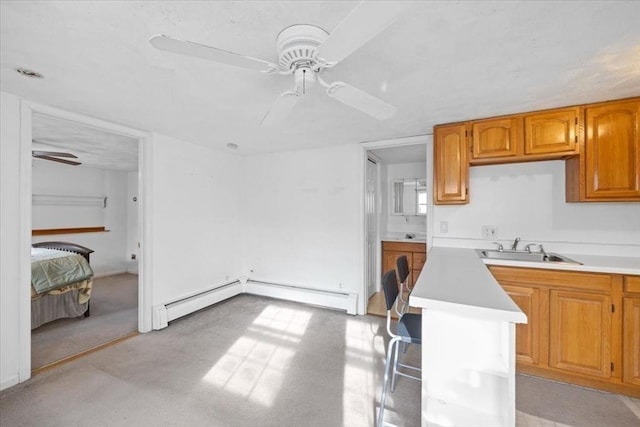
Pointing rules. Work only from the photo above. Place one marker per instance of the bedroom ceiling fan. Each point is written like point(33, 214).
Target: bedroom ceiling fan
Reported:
point(306, 51)
point(54, 156)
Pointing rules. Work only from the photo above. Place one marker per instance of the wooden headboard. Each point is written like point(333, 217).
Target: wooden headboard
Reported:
point(66, 246)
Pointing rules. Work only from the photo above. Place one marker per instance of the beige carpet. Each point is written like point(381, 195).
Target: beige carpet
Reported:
point(114, 314)
point(568, 405)
point(254, 361)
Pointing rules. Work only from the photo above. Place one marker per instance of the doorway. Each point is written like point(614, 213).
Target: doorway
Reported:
point(33, 116)
point(402, 160)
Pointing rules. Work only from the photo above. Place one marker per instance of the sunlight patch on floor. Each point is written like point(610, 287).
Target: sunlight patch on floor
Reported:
point(361, 352)
point(255, 365)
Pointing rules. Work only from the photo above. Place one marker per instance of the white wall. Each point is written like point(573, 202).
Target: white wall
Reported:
point(196, 195)
point(401, 224)
point(527, 200)
point(49, 178)
point(10, 241)
point(303, 217)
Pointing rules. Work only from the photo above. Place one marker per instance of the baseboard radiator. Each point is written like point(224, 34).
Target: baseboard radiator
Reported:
point(165, 313)
point(337, 299)
point(341, 300)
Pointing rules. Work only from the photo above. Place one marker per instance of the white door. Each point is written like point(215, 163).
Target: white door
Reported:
point(371, 219)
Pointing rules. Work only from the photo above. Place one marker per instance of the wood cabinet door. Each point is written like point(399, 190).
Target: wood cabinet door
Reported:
point(551, 132)
point(631, 340)
point(527, 335)
point(389, 262)
point(451, 166)
point(419, 258)
point(580, 332)
point(612, 150)
point(495, 137)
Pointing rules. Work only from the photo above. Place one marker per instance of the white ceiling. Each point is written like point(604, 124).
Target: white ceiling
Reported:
point(441, 62)
point(402, 154)
point(93, 147)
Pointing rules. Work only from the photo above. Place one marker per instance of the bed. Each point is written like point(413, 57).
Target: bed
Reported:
point(61, 281)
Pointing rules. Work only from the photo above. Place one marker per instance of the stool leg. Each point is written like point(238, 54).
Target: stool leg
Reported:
point(387, 368)
point(395, 366)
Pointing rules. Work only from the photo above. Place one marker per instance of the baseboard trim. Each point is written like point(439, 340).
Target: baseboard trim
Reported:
point(108, 273)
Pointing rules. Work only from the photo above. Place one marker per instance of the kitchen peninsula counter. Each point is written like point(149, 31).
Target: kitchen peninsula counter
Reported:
point(468, 342)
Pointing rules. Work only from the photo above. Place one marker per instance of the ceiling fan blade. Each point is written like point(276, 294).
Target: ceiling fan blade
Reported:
point(55, 159)
point(280, 108)
point(367, 20)
point(39, 153)
point(188, 48)
point(361, 100)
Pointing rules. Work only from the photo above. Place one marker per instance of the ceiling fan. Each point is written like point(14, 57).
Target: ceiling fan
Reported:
point(306, 51)
point(54, 156)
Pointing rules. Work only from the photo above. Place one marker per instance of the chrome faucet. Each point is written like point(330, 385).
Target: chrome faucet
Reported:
point(528, 247)
point(500, 247)
point(514, 247)
point(544, 254)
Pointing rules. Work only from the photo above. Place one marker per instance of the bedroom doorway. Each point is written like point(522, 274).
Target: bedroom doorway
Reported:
point(97, 204)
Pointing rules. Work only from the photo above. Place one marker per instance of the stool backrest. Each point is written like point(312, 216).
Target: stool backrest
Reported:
point(403, 268)
point(390, 287)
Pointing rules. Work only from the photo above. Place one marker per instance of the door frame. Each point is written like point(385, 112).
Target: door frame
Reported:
point(376, 160)
point(27, 109)
point(387, 143)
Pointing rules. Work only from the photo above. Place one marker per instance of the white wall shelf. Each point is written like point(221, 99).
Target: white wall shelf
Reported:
point(63, 200)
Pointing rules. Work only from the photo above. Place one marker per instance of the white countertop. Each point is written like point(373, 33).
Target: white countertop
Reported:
point(456, 281)
point(404, 239)
point(590, 263)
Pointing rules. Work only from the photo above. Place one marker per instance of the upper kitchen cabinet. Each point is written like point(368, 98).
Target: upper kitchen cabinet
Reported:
point(608, 168)
point(552, 131)
point(541, 135)
point(495, 138)
point(451, 167)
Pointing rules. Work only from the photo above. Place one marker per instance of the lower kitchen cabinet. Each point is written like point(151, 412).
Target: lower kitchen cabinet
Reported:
point(580, 332)
point(583, 328)
point(631, 327)
point(416, 254)
point(631, 330)
point(527, 334)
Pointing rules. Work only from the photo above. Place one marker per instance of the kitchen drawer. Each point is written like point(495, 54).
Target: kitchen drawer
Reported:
point(631, 283)
point(404, 247)
point(553, 278)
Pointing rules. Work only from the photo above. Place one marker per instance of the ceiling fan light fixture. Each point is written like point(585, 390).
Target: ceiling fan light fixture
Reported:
point(299, 44)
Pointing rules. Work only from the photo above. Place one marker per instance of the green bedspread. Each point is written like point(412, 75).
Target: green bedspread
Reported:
point(51, 269)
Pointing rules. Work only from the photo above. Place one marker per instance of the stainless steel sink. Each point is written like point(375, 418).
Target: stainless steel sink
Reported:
point(525, 256)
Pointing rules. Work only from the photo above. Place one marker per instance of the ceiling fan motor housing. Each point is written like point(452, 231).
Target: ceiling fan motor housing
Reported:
point(297, 46)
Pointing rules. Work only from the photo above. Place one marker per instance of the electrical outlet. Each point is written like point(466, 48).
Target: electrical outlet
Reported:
point(444, 227)
point(489, 232)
